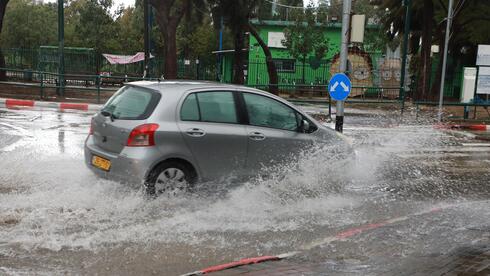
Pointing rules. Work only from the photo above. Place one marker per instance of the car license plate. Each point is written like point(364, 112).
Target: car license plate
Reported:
point(101, 163)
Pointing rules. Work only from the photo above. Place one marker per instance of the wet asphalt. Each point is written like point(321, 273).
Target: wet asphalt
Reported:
point(56, 217)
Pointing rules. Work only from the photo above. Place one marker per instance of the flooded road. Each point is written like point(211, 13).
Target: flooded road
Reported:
point(56, 217)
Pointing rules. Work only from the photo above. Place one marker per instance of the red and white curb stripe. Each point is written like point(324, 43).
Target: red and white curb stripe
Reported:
point(21, 104)
point(343, 235)
point(474, 127)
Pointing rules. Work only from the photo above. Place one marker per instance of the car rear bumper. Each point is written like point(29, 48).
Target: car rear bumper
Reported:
point(130, 166)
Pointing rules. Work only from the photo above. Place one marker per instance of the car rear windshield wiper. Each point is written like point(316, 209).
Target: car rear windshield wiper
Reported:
point(108, 114)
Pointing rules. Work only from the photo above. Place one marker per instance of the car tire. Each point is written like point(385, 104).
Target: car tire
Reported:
point(171, 178)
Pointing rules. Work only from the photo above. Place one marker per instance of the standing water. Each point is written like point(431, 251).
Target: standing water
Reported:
point(57, 217)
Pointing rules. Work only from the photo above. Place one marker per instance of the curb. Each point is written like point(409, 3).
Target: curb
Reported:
point(60, 106)
point(474, 127)
point(242, 262)
point(343, 235)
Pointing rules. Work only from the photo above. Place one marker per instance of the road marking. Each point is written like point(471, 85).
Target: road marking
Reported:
point(475, 144)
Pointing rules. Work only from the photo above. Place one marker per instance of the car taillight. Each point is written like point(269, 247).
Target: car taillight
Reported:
point(142, 136)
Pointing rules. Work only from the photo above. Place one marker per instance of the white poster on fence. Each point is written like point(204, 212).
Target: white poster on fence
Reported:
point(274, 39)
point(483, 86)
point(483, 56)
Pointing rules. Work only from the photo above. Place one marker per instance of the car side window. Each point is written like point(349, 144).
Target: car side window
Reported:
point(190, 109)
point(266, 112)
point(216, 107)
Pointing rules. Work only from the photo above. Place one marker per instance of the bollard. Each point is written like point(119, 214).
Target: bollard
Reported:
point(98, 88)
point(41, 88)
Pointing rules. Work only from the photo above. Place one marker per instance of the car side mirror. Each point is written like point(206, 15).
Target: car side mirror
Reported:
point(305, 126)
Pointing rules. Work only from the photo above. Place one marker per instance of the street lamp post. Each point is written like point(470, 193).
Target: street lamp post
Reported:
point(444, 61)
point(344, 48)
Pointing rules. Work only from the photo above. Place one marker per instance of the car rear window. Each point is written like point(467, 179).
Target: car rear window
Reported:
point(132, 103)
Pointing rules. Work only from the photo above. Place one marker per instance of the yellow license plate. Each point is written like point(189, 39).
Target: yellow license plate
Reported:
point(101, 163)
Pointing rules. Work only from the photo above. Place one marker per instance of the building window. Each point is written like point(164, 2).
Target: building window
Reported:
point(284, 65)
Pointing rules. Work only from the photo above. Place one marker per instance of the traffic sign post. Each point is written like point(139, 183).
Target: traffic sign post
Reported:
point(339, 113)
point(339, 88)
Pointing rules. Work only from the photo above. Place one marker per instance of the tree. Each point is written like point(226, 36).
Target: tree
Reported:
point(467, 31)
point(305, 36)
point(169, 14)
point(3, 7)
point(422, 21)
point(89, 24)
point(428, 25)
point(28, 25)
point(237, 15)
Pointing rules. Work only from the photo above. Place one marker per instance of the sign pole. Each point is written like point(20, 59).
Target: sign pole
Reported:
point(339, 117)
point(444, 61)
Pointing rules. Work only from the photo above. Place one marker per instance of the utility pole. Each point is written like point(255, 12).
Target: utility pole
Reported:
point(61, 48)
point(408, 5)
point(146, 16)
point(344, 48)
point(444, 61)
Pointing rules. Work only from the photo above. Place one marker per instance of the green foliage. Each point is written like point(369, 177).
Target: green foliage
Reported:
point(27, 25)
point(198, 41)
point(305, 36)
point(90, 24)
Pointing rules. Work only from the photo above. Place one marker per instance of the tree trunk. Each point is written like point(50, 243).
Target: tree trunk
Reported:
point(3, 7)
point(170, 71)
point(169, 14)
point(271, 66)
point(425, 69)
point(238, 77)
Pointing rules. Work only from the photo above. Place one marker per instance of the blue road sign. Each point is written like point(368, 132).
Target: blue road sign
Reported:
point(339, 87)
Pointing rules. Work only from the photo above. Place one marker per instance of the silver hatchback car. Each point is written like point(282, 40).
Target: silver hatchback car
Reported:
point(171, 134)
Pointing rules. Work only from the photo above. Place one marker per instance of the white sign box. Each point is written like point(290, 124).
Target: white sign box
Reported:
point(483, 86)
point(483, 56)
point(275, 39)
point(357, 28)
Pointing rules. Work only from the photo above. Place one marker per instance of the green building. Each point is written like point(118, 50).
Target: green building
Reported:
point(290, 70)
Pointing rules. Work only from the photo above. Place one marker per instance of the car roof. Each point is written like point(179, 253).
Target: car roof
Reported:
point(182, 86)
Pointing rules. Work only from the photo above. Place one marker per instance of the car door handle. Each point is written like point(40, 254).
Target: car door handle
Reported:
point(195, 132)
point(257, 136)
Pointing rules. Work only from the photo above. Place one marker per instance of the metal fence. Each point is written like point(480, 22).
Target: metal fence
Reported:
point(374, 76)
point(85, 61)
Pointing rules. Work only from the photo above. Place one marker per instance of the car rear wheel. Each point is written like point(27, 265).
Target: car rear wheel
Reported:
point(170, 178)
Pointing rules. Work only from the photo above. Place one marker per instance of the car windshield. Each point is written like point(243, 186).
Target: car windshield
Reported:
point(132, 103)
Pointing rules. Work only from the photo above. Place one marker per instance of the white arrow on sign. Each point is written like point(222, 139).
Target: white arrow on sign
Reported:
point(334, 86)
point(346, 88)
